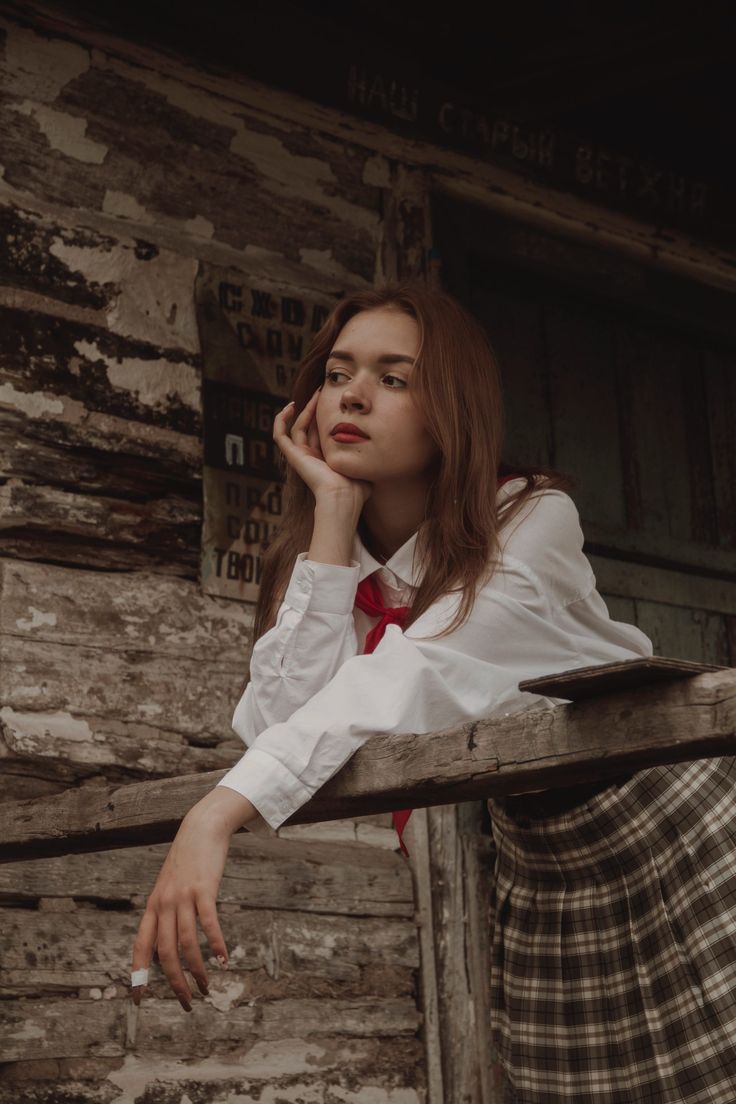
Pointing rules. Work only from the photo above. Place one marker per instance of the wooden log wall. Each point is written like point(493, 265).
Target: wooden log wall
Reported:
point(119, 180)
point(123, 171)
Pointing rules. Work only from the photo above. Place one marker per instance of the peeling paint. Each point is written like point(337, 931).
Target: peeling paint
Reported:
point(201, 227)
point(123, 205)
point(37, 732)
point(286, 174)
point(323, 261)
point(64, 132)
point(270, 1059)
point(376, 1094)
point(38, 617)
point(40, 67)
point(152, 382)
point(226, 995)
point(151, 709)
point(33, 403)
point(156, 296)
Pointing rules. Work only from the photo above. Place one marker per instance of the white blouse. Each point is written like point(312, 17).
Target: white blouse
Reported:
point(313, 699)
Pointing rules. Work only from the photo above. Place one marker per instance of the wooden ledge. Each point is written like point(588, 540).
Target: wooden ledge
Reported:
point(610, 730)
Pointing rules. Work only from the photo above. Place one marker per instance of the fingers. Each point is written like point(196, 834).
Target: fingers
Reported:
point(305, 420)
point(189, 944)
point(178, 929)
point(168, 956)
point(286, 431)
point(211, 928)
point(143, 949)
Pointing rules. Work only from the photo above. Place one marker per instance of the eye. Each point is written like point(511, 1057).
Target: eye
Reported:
point(331, 372)
point(398, 380)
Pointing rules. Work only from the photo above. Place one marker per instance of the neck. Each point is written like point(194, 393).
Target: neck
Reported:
point(391, 516)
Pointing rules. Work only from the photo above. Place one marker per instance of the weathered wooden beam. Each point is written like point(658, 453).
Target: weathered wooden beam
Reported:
point(593, 738)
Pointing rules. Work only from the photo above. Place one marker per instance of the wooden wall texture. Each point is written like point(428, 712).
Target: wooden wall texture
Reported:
point(355, 976)
point(118, 179)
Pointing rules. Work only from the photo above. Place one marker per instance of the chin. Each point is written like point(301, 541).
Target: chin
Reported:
point(351, 468)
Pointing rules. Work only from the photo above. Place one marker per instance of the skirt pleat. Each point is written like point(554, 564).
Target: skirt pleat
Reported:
point(613, 975)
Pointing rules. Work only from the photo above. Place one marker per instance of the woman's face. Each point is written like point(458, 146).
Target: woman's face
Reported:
point(368, 382)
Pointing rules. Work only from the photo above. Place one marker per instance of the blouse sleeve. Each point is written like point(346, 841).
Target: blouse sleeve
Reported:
point(313, 635)
point(522, 624)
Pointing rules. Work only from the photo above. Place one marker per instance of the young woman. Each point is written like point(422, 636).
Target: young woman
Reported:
point(414, 582)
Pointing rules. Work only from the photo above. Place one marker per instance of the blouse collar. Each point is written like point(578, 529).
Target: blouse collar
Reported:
point(401, 563)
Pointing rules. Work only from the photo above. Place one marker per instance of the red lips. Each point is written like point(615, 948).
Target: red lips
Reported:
point(348, 427)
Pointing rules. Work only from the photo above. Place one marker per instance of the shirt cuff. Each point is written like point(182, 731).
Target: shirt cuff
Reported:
point(322, 588)
point(267, 784)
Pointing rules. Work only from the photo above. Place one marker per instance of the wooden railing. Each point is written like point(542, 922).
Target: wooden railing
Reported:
point(620, 717)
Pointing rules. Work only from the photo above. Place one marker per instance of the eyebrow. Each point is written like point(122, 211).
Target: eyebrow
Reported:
point(385, 358)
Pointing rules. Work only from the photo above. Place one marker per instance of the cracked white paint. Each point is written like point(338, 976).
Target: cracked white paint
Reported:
point(155, 300)
point(39, 67)
point(150, 709)
point(39, 732)
point(64, 132)
point(200, 227)
point(195, 101)
point(152, 382)
point(33, 403)
point(375, 1094)
point(270, 1059)
point(126, 206)
point(225, 996)
point(293, 176)
point(37, 619)
point(22, 1031)
point(323, 261)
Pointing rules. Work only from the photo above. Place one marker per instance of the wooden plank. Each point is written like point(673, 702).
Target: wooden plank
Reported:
point(460, 860)
point(332, 878)
point(578, 339)
point(692, 634)
point(532, 749)
point(274, 953)
point(658, 584)
point(720, 381)
point(133, 675)
point(81, 1028)
point(608, 678)
point(417, 840)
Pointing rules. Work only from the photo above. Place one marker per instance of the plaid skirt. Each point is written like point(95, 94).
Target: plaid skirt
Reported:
point(613, 971)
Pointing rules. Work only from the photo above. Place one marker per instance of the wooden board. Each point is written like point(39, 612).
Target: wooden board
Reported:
point(608, 678)
point(530, 749)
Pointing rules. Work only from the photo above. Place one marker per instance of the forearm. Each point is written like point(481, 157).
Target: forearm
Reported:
point(222, 811)
point(335, 521)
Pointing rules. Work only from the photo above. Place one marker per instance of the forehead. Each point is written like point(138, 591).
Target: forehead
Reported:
point(384, 326)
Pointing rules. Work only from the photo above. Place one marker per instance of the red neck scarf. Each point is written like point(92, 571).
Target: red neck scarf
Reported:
point(370, 600)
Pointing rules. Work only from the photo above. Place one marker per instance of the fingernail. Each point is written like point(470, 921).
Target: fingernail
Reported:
point(222, 960)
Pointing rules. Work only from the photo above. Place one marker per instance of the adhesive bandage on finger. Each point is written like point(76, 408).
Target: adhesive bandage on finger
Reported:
point(139, 977)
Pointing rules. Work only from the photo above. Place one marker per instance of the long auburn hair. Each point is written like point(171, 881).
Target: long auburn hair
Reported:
point(456, 385)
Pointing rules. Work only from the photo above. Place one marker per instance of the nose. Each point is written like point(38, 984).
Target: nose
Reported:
point(355, 397)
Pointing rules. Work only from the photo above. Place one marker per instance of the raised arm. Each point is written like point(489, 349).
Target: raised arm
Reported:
point(539, 613)
point(314, 631)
